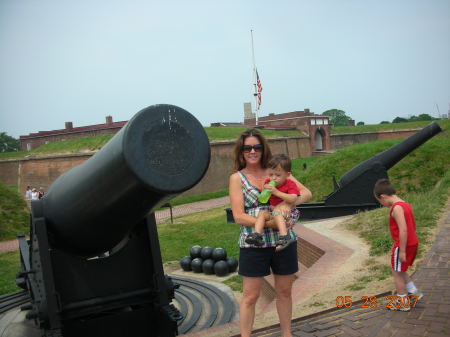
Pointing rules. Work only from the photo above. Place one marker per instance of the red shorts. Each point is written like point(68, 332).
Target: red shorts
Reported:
point(396, 264)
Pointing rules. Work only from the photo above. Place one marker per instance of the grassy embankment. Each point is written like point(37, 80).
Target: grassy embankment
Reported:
point(380, 127)
point(95, 143)
point(14, 219)
point(423, 178)
point(214, 134)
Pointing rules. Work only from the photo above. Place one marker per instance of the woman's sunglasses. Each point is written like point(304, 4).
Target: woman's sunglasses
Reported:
point(249, 148)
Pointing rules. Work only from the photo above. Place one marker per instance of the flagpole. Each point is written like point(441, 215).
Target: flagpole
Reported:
point(254, 79)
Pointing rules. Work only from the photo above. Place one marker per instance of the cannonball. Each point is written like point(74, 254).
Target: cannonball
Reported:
point(232, 264)
point(206, 252)
point(221, 268)
point(195, 251)
point(185, 263)
point(208, 266)
point(196, 265)
point(219, 254)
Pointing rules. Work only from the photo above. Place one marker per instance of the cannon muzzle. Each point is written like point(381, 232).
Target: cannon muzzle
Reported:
point(162, 151)
point(354, 192)
point(393, 155)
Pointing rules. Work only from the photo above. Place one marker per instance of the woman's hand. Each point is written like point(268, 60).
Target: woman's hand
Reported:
point(305, 193)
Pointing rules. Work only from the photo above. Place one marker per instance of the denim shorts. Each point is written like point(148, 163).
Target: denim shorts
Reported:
point(257, 262)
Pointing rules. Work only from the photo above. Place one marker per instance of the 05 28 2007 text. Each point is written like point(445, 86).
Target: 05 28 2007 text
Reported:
point(374, 302)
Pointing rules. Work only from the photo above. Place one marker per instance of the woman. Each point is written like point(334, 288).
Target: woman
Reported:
point(252, 154)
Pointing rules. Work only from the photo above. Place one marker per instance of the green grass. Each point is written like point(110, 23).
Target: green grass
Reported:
point(65, 146)
point(376, 272)
point(232, 132)
point(234, 282)
point(199, 197)
point(384, 127)
point(14, 216)
point(208, 228)
point(214, 134)
point(297, 165)
point(427, 205)
point(418, 171)
point(9, 266)
point(95, 143)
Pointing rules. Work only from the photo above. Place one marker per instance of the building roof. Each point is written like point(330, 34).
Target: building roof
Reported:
point(104, 126)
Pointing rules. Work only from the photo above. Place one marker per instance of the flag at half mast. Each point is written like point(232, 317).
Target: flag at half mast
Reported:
point(259, 89)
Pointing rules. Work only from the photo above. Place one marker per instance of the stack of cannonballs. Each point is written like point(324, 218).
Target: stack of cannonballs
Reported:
point(209, 261)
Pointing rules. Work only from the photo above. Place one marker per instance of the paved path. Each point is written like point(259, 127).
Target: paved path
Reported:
point(161, 216)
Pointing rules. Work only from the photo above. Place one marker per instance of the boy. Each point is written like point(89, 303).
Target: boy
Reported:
point(404, 249)
point(279, 169)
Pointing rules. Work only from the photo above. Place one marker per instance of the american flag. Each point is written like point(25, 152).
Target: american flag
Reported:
point(259, 89)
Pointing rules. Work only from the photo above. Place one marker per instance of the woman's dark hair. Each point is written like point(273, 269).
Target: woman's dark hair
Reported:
point(239, 161)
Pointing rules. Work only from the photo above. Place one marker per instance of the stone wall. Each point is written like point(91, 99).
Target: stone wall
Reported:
point(342, 140)
point(42, 171)
point(32, 143)
point(9, 172)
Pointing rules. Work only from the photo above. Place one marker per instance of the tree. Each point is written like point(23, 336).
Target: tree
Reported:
point(8, 143)
point(384, 122)
point(360, 123)
point(424, 117)
point(337, 117)
point(399, 120)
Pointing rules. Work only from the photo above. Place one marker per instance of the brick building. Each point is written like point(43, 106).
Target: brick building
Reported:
point(317, 127)
point(34, 140)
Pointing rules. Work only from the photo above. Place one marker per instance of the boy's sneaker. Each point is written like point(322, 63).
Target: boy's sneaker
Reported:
point(255, 239)
point(416, 293)
point(399, 306)
point(284, 241)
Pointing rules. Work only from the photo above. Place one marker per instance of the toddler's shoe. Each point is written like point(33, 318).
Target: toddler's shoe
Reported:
point(255, 239)
point(284, 241)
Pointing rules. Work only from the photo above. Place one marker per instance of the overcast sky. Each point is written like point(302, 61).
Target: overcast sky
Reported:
point(82, 60)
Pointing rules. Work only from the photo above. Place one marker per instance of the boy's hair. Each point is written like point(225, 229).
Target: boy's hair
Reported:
point(383, 186)
point(282, 160)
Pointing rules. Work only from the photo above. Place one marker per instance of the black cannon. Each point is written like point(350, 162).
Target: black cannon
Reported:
point(93, 265)
point(354, 191)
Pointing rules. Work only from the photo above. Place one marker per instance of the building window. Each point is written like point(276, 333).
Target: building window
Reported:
point(313, 122)
point(325, 121)
point(28, 146)
point(320, 121)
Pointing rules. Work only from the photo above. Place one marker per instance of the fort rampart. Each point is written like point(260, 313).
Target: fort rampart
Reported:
point(41, 171)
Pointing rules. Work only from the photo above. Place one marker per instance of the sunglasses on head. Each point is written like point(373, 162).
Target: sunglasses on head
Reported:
point(249, 148)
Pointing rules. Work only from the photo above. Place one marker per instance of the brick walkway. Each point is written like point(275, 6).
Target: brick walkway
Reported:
point(430, 318)
point(161, 216)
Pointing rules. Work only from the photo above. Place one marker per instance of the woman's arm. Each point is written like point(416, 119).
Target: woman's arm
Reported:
point(237, 202)
point(305, 193)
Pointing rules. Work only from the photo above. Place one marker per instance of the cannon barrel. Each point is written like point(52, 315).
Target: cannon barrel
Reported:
point(393, 155)
point(162, 151)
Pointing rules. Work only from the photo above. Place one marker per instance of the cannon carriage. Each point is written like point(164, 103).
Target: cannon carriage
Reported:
point(92, 265)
